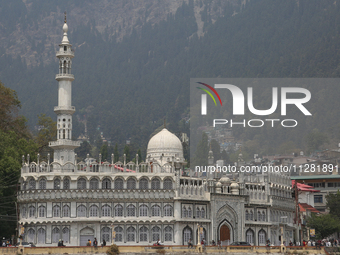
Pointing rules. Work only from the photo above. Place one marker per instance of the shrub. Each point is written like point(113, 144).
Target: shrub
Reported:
point(113, 250)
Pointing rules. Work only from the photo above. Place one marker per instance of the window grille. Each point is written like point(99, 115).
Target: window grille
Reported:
point(42, 183)
point(66, 235)
point(56, 211)
point(143, 184)
point(156, 211)
point(156, 234)
point(143, 234)
point(31, 184)
point(168, 211)
point(119, 234)
point(66, 211)
point(55, 235)
point(94, 183)
point(106, 211)
point(131, 232)
point(168, 234)
point(119, 183)
point(31, 211)
point(106, 183)
point(94, 211)
point(118, 211)
point(42, 211)
point(81, 211)
point(143, 210)
point(81, 184)
point(167, 184)
point(41, 236)
point(66, 183)
point(131, 211)
point(56, 183)
point(155, 184)
point(131, 183)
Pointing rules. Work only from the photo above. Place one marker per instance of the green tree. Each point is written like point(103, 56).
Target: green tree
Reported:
point(140, 159)
point(215, 147)
point(116, 154)
point(333, 203)
point(47, 132)
point(127, 153)
point(104, 151)
point(225, 157)
point(202, 151)
point(84, 149)
point(315, 140)
point(324, 225)
point(9, 108)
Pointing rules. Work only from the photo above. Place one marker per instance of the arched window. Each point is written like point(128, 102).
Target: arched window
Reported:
point(143, 234)
point(184, 212)
point(155, 184)
point(106, 234)
point(42, 211)
point(168, 211)
point(156, 234)
point(42, 183)
point(23, 212)
point(30, 235)
point(131, 183)
point(189, 212)
point(143, 210)
point(131, 211)
point(31, 184)
point(259, 216)
point(247, 215)
point(66, 211)
point(31, 211)
point(118, 211)
point(94, 183)
point(119, 183)
point(119, 234)
point(81, 211)
point(156, 211)
point(94, 211)
point(66, 184)
point(131, 233)
point(56, 211)
point(250, 236)
point(106, 211)
point(167, 184)
point(168, 234)
point(55, 235)
point(66, 235)
point(262, 237)
point(263, 216)
point(202, 213)
point(81, 184)
point(198, 213)
point(41, 236)
point(143, 184)
point(251, 215)
point(187, 235)
point(106, 183)
point(56, 183)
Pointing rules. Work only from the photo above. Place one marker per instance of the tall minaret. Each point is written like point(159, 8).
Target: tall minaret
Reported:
point(64, 146)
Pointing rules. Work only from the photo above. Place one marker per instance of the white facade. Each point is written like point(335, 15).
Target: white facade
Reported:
point(144, 202)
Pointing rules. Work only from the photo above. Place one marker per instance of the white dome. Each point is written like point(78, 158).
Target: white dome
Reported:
point(225, 180)
point(165, 143)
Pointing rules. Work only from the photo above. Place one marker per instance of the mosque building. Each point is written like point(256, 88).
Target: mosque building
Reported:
point(140, 203)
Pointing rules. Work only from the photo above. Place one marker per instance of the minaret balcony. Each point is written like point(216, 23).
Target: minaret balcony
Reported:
point(64, 109)
point(62, 143)
point(65, 54)
point(64, 76)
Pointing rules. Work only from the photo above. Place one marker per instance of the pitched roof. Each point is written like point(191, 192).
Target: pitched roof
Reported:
point(304, 187)
point(304, 207)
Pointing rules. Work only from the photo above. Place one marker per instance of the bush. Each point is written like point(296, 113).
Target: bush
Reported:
point(113, 250)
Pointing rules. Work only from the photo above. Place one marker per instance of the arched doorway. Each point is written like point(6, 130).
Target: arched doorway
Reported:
point(85, 235)
point(225, 237)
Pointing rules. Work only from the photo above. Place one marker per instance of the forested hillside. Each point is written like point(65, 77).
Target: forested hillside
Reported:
point(126, 85)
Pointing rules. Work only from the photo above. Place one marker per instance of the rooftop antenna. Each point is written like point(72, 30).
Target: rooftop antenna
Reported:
point(65, 16)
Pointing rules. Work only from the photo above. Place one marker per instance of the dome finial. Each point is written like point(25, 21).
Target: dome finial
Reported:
point(65, 17)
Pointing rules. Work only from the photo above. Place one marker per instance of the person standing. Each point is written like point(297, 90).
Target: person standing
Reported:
point(104, 243)
point(95, 243)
